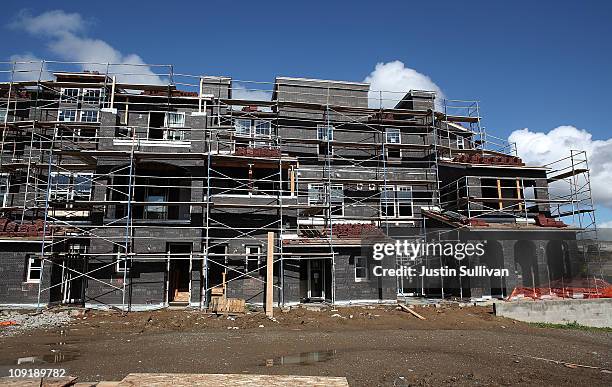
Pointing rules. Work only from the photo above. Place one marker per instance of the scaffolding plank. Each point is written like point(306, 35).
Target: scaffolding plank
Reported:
point(567, 174)
point(456, 118)
point(37, 382)
point(574, 212)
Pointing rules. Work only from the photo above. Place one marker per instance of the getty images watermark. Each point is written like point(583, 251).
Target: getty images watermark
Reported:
point(411, 251)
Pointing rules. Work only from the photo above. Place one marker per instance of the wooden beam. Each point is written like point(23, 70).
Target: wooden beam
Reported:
point(270, 276)
point(518, 194)
point(412, 312)
point(292, 176)
point(499, 194)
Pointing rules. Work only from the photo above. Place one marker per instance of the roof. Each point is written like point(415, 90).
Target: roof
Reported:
point(457, 164)
point(481, 225)
point(314, 80)
point(81, 75)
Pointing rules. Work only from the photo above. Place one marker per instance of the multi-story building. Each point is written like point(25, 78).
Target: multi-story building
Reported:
point(143, 195)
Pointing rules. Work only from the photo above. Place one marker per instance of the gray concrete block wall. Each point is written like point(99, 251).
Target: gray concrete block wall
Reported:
point(372, 289)
point(13, 286)
point(323, 92)
point(292, 281)
point(593, 312)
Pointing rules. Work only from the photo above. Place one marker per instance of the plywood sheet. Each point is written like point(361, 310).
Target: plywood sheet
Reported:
point(216, 380)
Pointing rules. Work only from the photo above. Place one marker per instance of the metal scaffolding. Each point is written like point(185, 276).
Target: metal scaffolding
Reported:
point(250, 172)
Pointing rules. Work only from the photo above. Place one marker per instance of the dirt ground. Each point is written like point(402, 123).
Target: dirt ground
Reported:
point(370, 345)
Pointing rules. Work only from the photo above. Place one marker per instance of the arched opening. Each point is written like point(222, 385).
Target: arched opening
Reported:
point(159, 192)
point(494, 259)
point(525, 259)
point(558, 261)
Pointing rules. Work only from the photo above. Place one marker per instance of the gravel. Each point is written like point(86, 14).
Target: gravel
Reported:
point(29, 321)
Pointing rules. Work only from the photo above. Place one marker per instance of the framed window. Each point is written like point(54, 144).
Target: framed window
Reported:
point(156, 195)
point(121, 262)
point(70, 186)
point(243, 127)
point(82, 185)
point(34, 269)
point(396, 202)
point(174, 120)
point(361, 268)
point(3, 115)
point(69, 95)
point(89, 116)
point(403, 198)
point(174, 135)
point(337, 200)
point(317, 195)
point(387, 202)
point(252, 258)
point(325, 132)
point(393, 136)
point(92, 96)
point(263, 128)
point(59, 186)
point(460, 142)
point(4, 189)
point(67, 115)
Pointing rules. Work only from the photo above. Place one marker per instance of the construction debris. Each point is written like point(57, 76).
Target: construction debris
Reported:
point(21, 321)
point(227, 305)
point(409, 310)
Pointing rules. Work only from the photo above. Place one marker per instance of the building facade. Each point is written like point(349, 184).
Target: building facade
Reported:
point(139, 196)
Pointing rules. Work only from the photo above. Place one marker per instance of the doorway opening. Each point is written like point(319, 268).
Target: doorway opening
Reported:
point(318, 280)
point(66, 273)
point(179, 273)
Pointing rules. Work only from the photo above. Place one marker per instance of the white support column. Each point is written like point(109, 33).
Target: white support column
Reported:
point(112, 98)
point(270, 276)
point(200, 95)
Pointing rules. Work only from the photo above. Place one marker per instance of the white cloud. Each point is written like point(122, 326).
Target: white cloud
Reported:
point(539, 148)
point(55, 23)
point(607, 224)
point(394, 80)
point(251, 93)
point(65, 37)
point(27, 67)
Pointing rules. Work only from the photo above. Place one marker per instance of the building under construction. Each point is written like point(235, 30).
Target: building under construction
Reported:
point(136, 187)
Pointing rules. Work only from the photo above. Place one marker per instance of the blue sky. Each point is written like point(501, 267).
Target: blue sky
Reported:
point(536, 65)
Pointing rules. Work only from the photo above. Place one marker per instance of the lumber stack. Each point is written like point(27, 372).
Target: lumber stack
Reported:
point(227, 305)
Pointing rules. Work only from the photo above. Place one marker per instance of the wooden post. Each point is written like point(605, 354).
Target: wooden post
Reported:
point(270, 276)
point(499, 194)
point(518, 195)
point(292, 181)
